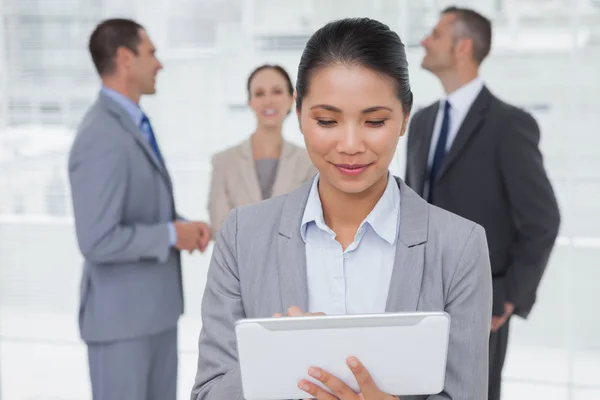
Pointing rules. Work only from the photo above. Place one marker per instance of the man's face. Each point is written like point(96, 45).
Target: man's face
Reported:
point(143, 67)
point(439, 46)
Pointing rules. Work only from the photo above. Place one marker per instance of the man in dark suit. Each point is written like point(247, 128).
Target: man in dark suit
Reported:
point(477, 156)
point(127, 227)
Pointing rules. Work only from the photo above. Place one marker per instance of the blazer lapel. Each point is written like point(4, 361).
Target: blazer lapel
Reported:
point(285, 171)
point(405, 284)
point(248, 171)
point(134, 131)
point(291, 251)
point(406, 278)
point(425, 133)
point(470, 125)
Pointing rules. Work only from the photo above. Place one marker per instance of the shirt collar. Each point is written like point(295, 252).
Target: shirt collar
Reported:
point(383, 219)
point(462, 98)
point(134, 111)
point(313, 211)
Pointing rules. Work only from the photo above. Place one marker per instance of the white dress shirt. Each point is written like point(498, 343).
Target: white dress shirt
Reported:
point(461, 101)
point(357, 280)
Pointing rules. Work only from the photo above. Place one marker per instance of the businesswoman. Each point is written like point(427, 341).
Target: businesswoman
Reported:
point(355, 239)
point(265, 165)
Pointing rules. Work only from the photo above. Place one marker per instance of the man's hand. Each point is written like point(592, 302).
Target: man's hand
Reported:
point(497, 322)
point(341, 391)
point(192, 235)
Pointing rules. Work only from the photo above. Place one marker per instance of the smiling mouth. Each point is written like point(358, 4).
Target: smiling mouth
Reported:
point(352, 169)
point(269, 112)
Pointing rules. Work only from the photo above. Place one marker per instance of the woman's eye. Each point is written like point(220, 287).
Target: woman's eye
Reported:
point(325, 123)
point(376, 124)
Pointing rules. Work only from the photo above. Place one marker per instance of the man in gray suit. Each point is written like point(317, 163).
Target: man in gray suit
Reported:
point(127, 228)
point(478, 157)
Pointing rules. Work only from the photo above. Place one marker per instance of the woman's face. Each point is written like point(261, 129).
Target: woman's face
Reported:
point(351, 120)
point(269, 97)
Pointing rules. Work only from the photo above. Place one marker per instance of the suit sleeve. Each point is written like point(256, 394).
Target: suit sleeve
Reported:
point(219, 204)
point(469, 303)
point(534, 209)
point(218, 376)
point(99, 180)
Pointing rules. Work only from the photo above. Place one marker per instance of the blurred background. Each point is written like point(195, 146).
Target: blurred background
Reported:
point(545, 58)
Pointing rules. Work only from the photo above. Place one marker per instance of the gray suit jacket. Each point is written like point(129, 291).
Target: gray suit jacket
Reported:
point(122, 201)
point(258, 268)
point(494, 175)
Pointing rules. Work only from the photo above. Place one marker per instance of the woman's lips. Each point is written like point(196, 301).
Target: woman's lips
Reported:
point(352, 169)
point(269, 112)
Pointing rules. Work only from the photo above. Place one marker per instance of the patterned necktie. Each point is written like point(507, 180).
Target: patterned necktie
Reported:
point(147, 129)
point(440, 150)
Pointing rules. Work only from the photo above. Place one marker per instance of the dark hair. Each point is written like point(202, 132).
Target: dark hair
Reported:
point(356, 42)
point(474, 26)
point(280, 70)
point(106, 39)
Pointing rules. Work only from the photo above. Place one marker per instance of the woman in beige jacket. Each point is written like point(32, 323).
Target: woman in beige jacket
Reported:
point(265, 165)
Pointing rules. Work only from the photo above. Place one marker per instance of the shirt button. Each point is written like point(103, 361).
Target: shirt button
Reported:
point(346, 256)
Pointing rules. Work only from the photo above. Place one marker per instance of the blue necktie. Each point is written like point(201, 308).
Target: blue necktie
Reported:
point(440, 150)
point(147, 129)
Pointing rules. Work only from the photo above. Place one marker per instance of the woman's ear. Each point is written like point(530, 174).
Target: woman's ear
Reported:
point(297, 109)
point(299, 121)
point(292, 103)
point(404, 126)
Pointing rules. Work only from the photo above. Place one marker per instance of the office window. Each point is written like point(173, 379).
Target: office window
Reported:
point(189, 33)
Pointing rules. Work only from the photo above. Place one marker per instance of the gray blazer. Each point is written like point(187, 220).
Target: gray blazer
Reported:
point(122, 201)
point(258, 268)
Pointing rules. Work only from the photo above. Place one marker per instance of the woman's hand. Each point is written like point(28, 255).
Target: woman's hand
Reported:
point(341, 391)
point(368, 390)
point(295, 311)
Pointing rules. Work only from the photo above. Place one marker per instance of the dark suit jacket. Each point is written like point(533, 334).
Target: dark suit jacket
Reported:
point(494, 175)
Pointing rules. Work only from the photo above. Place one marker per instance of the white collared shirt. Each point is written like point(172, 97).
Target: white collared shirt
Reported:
point(357, 280)
point(461, 101)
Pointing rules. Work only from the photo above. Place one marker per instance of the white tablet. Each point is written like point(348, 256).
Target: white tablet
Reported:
point(405, 353)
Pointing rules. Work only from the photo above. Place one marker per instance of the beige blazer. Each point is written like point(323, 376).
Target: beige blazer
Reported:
point(234, 181)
